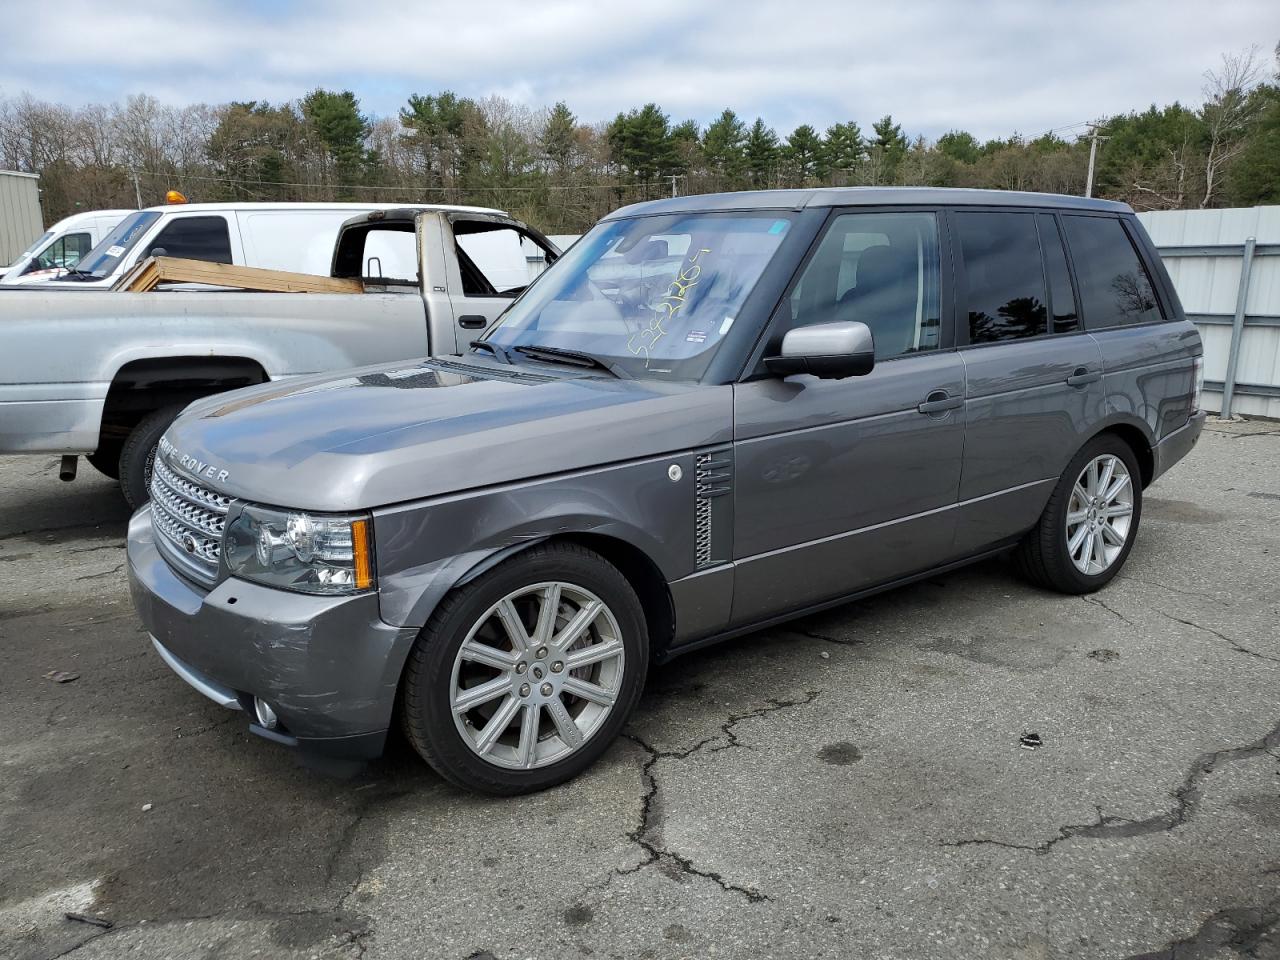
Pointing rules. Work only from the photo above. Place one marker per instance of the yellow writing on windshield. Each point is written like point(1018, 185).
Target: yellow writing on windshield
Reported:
point(671, 303)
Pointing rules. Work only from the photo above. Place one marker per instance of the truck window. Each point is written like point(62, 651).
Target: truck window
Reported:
point(1114, 287)
point(1004, 276)
point(496, 262)
point(195, 238)
point(880, 269)
point(63, 253)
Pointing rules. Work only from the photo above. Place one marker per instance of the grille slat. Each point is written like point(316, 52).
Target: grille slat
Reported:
point(190, 520)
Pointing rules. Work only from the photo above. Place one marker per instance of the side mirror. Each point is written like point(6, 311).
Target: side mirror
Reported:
point(831, 351)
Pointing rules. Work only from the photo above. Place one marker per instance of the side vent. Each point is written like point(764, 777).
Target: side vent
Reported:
point(713, 510)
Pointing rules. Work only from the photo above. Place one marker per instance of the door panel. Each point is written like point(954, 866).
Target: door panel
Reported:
point(826, 472)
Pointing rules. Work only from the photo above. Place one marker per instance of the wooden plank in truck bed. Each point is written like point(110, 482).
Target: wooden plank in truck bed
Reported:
point(148, 273)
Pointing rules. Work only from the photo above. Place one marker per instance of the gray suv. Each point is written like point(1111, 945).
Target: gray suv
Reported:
point(712, 414)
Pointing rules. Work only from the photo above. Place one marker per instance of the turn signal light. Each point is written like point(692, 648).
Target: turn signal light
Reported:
point(361, 555)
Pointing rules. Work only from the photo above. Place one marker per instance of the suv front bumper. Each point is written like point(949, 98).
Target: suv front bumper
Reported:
point(328, 667)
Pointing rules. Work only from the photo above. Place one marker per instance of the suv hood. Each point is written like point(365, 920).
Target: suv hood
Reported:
point(404, 431)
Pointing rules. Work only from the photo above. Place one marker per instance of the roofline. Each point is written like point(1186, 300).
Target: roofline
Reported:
point(862, 196)
point(354, 207)
point(19, 173)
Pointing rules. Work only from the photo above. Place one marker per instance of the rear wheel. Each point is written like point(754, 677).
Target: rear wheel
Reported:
point(522, 678)
point(1088, 527)
point(139, 454)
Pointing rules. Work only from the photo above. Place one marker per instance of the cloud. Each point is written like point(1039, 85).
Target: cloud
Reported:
point(990, 66)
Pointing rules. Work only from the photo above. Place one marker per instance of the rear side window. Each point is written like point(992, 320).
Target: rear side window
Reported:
point(1061, 298)
point(195, 238)
point(1004, 277)
point(1115, 289)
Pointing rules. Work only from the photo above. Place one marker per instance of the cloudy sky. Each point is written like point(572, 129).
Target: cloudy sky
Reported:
point(990, 66)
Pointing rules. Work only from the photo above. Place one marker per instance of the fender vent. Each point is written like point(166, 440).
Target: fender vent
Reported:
point(714, 480)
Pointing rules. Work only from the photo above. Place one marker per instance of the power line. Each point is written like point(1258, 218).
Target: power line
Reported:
point(366, 186)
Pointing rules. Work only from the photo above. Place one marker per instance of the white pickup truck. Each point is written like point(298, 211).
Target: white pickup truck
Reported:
point(103, 375)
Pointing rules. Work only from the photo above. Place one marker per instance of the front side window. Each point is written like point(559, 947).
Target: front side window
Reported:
point(103, 258)
point(654, 296)
point(1115, 289)
point(880, 269)
point(63, 253)
point(1003, 274)
point(194, 238)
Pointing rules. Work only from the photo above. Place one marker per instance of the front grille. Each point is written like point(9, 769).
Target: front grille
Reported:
point(189, 521)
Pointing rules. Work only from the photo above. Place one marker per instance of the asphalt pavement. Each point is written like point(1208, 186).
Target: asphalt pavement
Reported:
point(967, 767)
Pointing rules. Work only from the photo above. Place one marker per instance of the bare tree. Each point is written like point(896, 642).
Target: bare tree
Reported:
point(1227, 112)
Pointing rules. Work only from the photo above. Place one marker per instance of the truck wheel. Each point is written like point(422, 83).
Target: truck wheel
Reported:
point(522, 678)
point(139, 453)
point(106, 460)
point(1088, 527)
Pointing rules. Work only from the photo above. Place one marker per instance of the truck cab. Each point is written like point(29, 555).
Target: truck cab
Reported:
point(62, 246)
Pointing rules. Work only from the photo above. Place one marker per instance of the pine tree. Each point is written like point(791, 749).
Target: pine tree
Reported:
point(842, 150)
point(723, 147)
point(803, 155)
point(558, 136)
point(761, 154)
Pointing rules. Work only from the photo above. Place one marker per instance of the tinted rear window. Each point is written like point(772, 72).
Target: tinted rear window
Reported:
point(1115, 289)
point(1005, 280)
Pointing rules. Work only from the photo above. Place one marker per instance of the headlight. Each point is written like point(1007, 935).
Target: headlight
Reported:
point(306, 552)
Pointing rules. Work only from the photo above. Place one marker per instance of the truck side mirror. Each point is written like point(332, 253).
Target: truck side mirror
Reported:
point(830, 351)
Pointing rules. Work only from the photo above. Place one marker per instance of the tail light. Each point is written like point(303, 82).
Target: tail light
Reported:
point(1197, 394)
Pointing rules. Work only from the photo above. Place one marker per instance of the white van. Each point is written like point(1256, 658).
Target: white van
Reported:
point(62, 246)
point(276, 236)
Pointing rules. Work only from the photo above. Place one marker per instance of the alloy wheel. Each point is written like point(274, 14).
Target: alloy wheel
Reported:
point(537, 675)
point(1099, 514)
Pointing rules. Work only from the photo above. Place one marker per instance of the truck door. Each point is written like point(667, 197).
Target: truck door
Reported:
point(488, 262)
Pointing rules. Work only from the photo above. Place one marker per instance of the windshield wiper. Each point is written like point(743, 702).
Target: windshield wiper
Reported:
point(498, 351)
point(76, 274)
point(574, 357)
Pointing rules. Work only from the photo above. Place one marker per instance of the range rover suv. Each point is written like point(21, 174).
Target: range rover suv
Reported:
point(713, 413)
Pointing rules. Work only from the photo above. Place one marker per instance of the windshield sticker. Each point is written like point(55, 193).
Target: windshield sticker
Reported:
point(779, 227)
point(667, 306)
point(724, 327)
point(115, 251)
point(696, 336)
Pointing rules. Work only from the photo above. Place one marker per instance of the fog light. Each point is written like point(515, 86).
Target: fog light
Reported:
point(266, 716)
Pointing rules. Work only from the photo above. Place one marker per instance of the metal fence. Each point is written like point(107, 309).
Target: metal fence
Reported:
point(1225, 265)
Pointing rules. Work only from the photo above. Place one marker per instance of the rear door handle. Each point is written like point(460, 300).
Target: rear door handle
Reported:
point(938, 401)
point(472, 321)
point(1083, 376)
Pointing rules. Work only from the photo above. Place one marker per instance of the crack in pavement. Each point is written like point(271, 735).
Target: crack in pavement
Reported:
point(1186, 799)
point(812, 635)
point(1235, 645)
point(1165, 586)
point(1239, 929)
point(104, 573)
point(650, 809)
point(1107, 607)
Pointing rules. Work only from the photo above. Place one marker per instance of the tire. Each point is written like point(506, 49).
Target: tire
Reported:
point(139, 453)
point(438, 670)
point(106, 460)
point(1045, 556)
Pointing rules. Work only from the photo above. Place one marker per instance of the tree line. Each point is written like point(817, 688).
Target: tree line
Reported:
point(561, 173)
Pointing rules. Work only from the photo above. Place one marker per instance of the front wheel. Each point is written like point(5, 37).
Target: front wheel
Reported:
point(1088, 527)
point(138, 455)
point(522, 678)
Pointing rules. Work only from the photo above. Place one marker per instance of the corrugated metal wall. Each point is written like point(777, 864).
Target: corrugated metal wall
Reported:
point(1204, 253)
point(20, 218)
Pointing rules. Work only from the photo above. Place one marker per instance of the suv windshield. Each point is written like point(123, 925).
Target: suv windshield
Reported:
point(102, 259)
point(649, 297)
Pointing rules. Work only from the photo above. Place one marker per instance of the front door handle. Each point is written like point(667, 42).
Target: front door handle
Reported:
point(472, 321)
point(1083, 376)
point(939, 401)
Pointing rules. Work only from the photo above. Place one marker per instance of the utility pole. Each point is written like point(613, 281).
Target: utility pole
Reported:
point(1093, 154)
point(137, 189)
